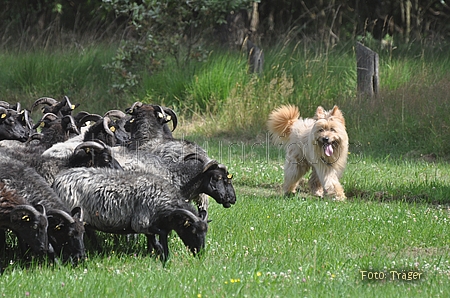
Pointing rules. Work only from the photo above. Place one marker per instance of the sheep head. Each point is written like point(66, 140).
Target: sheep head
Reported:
point(150, 121)
point(66, 232)
point(93, 154)
point(11, 126)
point(30, 223)
point(191, 228)
point(51, 105)
point(216, 182)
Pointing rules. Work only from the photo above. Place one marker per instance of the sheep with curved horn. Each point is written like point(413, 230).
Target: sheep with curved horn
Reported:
point(122, 202)
point(35, 190)
point(28, 222)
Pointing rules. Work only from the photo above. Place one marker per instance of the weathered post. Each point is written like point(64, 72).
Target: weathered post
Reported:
point(255, 58)
point(367, 71)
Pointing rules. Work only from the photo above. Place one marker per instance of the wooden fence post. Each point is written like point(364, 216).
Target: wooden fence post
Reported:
point(367, 71)
point(255, 58)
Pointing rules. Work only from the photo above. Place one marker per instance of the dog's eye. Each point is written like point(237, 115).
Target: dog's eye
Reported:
point(321, 130)
point(332, 129)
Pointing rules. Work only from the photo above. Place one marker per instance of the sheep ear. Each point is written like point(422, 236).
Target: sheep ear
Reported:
point(77, 212)
point(203, 214)
point(40, 208)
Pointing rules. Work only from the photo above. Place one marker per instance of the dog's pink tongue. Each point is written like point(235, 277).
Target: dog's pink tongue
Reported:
point(328, 150)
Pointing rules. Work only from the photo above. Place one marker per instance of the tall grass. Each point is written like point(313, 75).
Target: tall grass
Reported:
point(407, 118)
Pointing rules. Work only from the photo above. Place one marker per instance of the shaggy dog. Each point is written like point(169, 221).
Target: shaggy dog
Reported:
point(320, 143)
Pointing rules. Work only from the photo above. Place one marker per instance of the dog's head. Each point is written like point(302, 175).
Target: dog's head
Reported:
point(330, 135)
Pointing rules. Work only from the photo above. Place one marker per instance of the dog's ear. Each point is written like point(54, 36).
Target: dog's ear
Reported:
point(337, 113)
point(320, 113)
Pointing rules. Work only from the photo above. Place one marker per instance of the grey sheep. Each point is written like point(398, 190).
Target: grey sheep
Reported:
point(123, 202)
point(28, 222)
point(35, 190)
point(12, 126)
point(86, 154)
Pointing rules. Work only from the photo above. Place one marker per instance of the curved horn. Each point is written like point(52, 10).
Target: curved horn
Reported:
point(30, 209)
point(67, 102)
point(187, 213)
point(28, 120)
point(210, 164)
point(137, 104)
point(115, 113)
point(44, 100)
point(89, 117)
point(18, 107)
point(173, 116)
point(5, 104)
point(70, 123)
point(50, 116)
point(62, 214)
point(106, 121)
point(96, 145)
point(159, 109)
point(222, 166)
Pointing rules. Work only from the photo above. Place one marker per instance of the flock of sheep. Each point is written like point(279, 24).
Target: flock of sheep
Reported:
point(121, 173)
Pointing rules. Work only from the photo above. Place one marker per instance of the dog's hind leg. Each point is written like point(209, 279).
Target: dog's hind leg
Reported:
point(293, 171)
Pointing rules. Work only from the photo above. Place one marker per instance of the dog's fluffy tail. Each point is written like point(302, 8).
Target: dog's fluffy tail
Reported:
point(280, 122)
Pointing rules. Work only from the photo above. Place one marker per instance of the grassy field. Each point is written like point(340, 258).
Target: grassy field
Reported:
point(397, 216)
point(396, 219)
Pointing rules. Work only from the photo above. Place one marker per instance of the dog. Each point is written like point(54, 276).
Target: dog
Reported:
point(320, 143)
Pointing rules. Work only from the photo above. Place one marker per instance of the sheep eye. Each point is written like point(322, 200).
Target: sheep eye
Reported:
point(230, 176)
point(3, 116)
point(168, 118)
point(42, 124)
point(160, 115)
point(112, 128)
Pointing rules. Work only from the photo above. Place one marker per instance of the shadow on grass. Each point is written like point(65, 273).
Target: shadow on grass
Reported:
point(412, 198)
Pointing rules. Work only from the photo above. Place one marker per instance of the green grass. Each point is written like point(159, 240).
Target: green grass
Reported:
point(396, 219)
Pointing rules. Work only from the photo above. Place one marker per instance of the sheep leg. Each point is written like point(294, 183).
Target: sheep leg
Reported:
point(2, 248)
point(153, 243)
point(162, 247)
point(90, 234)
point(165, 245)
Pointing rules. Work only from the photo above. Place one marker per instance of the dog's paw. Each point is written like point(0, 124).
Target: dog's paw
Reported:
point(336, 196)
point(317, 192)
point(290, 194)
point(341, 198)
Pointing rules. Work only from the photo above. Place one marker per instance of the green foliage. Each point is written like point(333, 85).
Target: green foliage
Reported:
point(176, 29)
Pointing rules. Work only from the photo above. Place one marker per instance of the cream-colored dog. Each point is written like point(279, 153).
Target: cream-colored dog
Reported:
point(320, 143)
